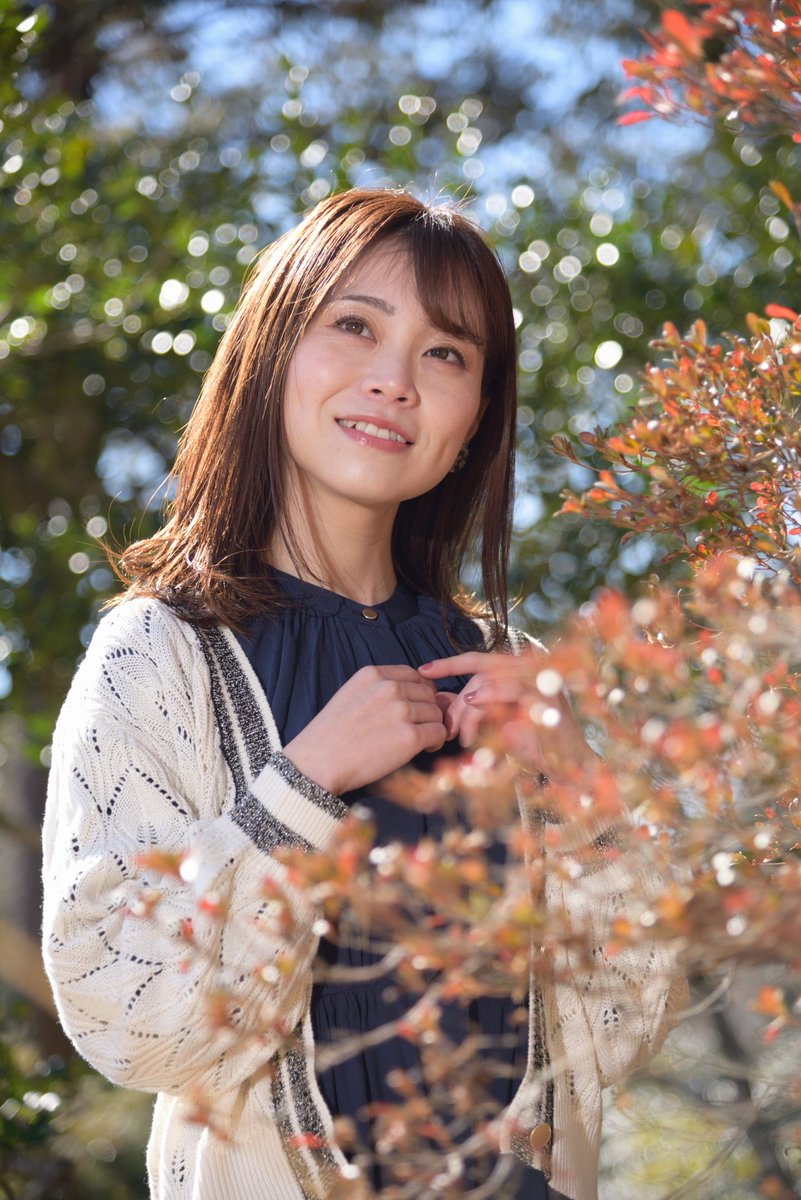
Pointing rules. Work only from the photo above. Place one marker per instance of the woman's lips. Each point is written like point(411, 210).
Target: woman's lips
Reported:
point(381, 435)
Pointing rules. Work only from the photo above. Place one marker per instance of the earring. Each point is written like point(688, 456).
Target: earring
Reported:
point(461, 459)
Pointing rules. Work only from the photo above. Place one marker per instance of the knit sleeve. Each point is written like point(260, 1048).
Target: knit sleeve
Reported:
point(614, 1007)
point(169, 979)
point(619, 1003)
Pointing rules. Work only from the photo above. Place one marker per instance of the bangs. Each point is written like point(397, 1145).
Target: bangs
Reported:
point(453, 287)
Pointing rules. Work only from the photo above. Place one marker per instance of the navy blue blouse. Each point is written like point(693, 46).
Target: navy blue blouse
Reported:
point(302, 655)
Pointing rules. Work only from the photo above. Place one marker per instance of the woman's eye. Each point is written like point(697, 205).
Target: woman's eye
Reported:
point(352, 324)
point(448, 354)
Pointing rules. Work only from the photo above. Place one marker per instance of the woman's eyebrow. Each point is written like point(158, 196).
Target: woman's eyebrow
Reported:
point(375, 301)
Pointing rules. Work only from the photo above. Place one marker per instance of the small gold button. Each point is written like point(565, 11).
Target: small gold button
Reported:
point(539, 1137)
point(369, 614)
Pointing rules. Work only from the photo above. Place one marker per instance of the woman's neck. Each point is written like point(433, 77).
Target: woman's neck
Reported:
point(349, 553)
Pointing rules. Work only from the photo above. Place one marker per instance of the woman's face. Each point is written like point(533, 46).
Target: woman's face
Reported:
point(378, 400)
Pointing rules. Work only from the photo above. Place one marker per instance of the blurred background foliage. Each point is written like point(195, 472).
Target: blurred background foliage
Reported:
point(147, 151)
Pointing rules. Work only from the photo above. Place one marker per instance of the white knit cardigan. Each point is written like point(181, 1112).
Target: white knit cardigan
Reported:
point(166, 742)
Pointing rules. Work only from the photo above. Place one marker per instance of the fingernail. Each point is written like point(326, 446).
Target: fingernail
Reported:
point(470, 697)
point(425, 666)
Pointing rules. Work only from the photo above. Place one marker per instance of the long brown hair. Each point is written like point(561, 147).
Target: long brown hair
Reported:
point(229, 475)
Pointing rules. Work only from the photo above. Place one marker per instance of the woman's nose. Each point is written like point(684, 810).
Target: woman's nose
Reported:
point(391, 376)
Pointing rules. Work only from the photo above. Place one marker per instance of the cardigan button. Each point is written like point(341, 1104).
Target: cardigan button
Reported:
point(369, 614)
point(539, 1137)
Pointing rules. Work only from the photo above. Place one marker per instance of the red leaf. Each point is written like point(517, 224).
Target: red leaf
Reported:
point(771, 1002)
point(633, 118)
point(682, 31)
point(781, 191)
point(778, 310)
point(797, 137)
point(311, 1140)
point(162, 861)
point(640, 92)
point(212, 904)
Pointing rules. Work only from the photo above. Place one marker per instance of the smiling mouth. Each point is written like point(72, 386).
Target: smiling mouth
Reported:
point(387, 435)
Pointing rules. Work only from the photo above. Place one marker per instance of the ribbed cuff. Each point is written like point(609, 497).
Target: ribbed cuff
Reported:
point(286, 808)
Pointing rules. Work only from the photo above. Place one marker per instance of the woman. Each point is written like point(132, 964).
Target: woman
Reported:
point(286, 641)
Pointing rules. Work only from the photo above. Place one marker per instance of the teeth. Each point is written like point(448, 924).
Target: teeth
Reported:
point(388, 435)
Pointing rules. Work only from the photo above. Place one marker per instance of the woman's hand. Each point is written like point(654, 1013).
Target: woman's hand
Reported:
point(490, 685)
point(377, 722)
point(510, 690)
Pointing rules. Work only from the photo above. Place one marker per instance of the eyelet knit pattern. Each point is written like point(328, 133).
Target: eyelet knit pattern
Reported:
point(166, 742)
